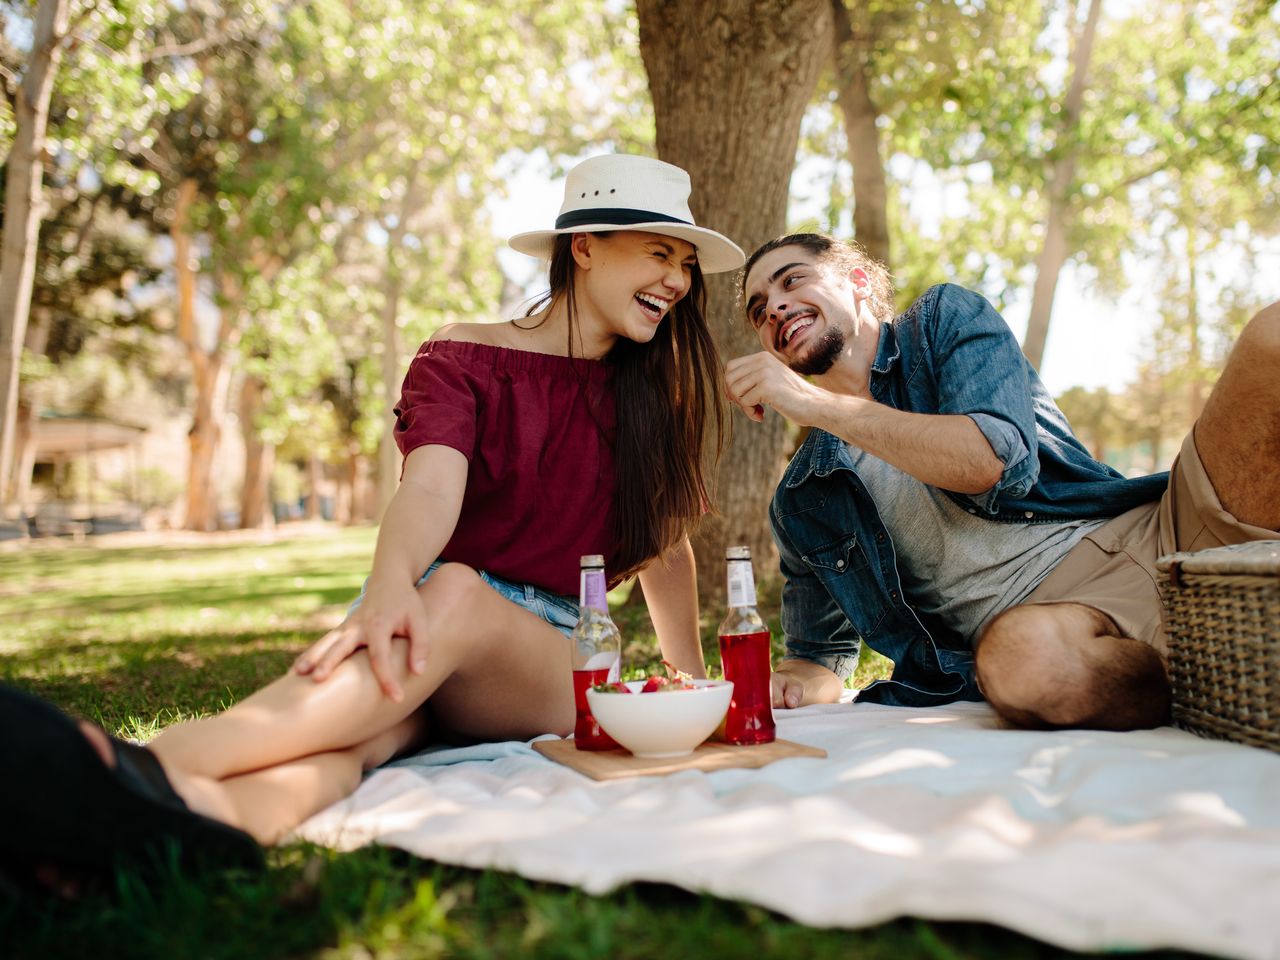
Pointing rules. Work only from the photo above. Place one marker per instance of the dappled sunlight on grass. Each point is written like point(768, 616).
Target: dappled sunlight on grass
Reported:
point(112, 631)
point(115, 626)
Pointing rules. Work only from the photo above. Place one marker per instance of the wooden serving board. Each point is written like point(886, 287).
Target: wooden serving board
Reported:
point(615, 764)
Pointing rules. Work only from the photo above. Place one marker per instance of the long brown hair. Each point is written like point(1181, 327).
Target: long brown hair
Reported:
point(666, 393)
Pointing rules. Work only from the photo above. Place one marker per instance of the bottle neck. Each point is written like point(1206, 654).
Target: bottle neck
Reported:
point(742, 584)
point(592, 590)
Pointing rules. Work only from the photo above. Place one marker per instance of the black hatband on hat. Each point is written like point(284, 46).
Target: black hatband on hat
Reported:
point(620, 216)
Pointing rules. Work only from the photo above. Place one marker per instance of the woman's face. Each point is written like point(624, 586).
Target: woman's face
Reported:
point(628, 281)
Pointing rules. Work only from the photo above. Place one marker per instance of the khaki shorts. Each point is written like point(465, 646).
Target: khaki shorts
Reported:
point(1114, 567)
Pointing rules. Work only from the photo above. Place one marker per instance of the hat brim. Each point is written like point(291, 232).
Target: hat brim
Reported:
point(716, 253)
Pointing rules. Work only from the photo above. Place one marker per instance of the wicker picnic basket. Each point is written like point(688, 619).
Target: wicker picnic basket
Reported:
point(1223, 618)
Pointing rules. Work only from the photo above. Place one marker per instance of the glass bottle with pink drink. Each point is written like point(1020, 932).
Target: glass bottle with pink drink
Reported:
point(596, 650)
point(744, 655)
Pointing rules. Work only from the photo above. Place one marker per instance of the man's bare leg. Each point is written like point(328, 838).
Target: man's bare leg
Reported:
point(1238, 434)
point(1052, 665)
point(1065, 664)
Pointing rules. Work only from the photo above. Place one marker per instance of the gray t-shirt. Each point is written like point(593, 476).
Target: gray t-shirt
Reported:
point(959, 565)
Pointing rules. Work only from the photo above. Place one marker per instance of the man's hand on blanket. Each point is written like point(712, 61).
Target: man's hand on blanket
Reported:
point(798, 683)
point(387, 611)
point(787, 691)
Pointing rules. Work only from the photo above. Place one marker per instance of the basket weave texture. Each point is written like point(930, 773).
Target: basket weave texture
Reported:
point(1222, 611)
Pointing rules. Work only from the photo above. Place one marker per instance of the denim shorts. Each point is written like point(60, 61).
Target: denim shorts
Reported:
point(559, 611)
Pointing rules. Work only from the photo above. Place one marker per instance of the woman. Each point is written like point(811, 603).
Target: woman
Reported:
point(576, 429)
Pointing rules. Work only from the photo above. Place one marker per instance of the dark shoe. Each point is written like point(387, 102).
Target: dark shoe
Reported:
point(60, 804)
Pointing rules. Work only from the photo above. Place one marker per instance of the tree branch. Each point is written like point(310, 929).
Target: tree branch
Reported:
point(158, 163)
point(185, 49)
point(1137, 178)
point(11, 84)
point(74, 24)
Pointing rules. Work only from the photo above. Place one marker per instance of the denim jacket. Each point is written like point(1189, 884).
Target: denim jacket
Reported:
point(949, 353)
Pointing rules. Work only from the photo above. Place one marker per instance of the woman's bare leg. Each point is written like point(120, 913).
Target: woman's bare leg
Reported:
point(499, 671)
point(268, 803)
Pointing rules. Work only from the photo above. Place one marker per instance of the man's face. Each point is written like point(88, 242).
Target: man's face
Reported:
point(800, 309)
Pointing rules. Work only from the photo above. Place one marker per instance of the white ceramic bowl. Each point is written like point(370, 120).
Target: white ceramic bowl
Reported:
point(669, 724)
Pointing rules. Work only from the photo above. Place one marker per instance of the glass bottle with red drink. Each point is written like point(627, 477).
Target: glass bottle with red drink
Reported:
point(596, 650)
point(744, 656)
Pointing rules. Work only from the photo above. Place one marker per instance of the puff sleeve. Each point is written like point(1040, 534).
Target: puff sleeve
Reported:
point(440, 402)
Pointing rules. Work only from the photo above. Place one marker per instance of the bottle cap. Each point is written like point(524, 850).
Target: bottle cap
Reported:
point(738, 553)
point(591, 560)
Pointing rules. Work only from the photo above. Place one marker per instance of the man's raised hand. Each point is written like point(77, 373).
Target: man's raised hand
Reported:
point(760, 380)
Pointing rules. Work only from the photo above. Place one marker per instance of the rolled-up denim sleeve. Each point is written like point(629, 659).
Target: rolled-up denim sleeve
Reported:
point(981, 373)
point(1020, 468)
point(813, 625)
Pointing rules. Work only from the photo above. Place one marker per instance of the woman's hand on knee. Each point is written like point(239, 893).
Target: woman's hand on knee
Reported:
point(386, 612)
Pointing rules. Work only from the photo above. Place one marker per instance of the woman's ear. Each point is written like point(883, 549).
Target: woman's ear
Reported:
point(580, 246)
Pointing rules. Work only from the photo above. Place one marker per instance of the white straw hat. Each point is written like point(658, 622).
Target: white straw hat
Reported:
point(624, 192)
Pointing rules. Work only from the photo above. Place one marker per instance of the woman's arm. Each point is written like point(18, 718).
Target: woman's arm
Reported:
point(416, 526)
point(670, 585)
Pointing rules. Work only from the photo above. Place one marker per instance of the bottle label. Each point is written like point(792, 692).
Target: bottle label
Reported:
point(592, 589)
point(606, 660)
point(742, 584)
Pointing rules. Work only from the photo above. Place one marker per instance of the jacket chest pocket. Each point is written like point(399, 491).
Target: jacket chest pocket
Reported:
point(836, 559)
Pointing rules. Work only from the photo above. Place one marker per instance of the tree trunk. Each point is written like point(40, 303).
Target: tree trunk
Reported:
point(853, 89)
point(315, 477)
point(364, 494)
point(411, 203)
point(1062, 172)
point(210, 375)
point(344, 501)
point(353, 482)
point(259, 457)
point(23, 210)
point(210, 379)
point(1195, 357)
point(1049, 264)
point(388, 452)
point(24, 450)
point(730, 81)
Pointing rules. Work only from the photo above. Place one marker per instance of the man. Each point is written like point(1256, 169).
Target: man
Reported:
point(942, 511)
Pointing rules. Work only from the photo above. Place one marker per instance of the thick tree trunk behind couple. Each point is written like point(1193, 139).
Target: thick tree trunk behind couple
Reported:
point(730, 81)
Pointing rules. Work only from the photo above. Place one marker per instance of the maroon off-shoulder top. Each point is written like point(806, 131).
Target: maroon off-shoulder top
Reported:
point(537, 431)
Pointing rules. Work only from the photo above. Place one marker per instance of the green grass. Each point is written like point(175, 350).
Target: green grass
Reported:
point(138, 637)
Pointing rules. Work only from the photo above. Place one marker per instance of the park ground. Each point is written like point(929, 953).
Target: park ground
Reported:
point(136, 632)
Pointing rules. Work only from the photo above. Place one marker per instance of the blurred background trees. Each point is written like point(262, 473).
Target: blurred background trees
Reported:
point(250, 213)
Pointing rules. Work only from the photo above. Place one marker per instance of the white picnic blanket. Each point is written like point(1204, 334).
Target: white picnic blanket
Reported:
point(1092, 841)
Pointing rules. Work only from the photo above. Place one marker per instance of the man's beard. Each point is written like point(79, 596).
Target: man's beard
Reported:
point(820, 359)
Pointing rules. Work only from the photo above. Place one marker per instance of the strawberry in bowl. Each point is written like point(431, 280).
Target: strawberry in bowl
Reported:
point(672, 723)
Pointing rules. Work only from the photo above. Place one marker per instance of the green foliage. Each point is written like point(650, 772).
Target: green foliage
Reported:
point(1094, 418)
point(1179, 114)
point(149, 488)
point(344, 156)
point(949, 82)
